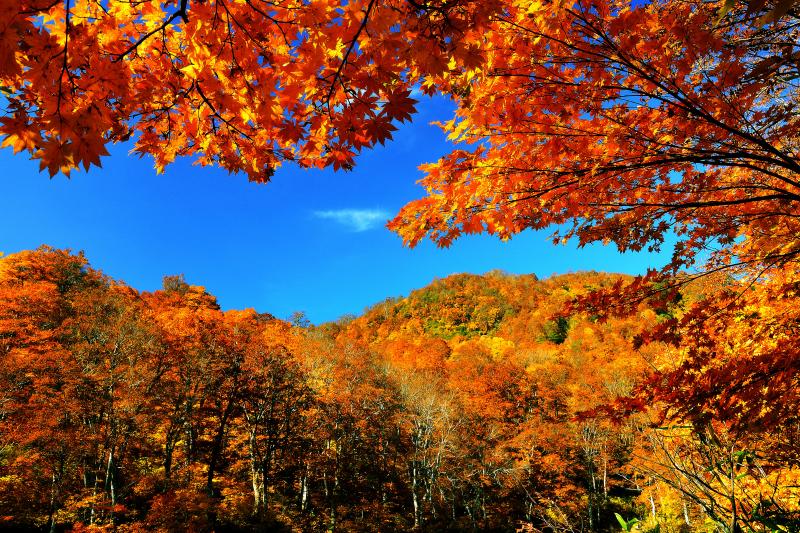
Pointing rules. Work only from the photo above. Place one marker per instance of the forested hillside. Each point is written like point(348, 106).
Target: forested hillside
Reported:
point(476, 403)
point(586, 402)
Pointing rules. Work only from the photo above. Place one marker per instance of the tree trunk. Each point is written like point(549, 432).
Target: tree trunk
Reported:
point(216, 449)
point(414, 495)
point(110, 467)
point(304, 490)
point(257, 477)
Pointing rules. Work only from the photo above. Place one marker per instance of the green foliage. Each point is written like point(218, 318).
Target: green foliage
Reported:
point(666, 300)
point(176, 283)
point(299, 319)
point(556, 330)
point(462, 305)
point(627, 525)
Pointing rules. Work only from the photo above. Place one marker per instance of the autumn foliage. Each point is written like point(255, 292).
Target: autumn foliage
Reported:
point(243, 84)
point(622, 122)
point(478, 402)
point(466, 405)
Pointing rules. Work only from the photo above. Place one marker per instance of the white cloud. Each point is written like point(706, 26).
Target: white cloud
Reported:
point(355, 219)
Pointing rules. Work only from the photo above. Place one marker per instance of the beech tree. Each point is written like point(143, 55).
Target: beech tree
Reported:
point(160, 411)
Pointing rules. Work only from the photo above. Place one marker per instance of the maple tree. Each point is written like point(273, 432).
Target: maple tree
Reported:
point(730, 478)
point(645, 125)
point(637, 124)
point(242, 84)
point(627, 123)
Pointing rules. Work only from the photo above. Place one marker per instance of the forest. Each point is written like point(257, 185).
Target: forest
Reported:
point(472, 404)
point(663, 402)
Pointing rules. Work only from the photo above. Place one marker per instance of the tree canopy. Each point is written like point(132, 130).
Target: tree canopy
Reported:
point(243, 84)
point(624, 122)
point(466, 405)
point(638, 124)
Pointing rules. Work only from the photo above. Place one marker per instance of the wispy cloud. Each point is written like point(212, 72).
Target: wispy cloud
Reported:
point(355, 219)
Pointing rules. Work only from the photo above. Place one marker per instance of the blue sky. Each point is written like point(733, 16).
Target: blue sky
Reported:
point(311, 241)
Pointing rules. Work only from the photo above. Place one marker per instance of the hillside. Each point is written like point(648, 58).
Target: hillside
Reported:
point(475, 403)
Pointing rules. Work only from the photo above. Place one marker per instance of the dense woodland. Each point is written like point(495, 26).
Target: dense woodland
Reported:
point(473, 403)
point(585, 402)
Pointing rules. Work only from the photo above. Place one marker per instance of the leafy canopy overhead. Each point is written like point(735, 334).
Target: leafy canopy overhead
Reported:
point(623, 121)
point(243, 84)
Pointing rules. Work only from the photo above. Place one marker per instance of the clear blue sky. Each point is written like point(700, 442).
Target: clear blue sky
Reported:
point(310, 241)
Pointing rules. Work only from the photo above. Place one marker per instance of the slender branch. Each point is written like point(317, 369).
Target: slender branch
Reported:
point(181, 13)
point(338, 75)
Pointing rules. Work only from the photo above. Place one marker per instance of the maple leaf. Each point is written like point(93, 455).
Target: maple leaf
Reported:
point(230, 83)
